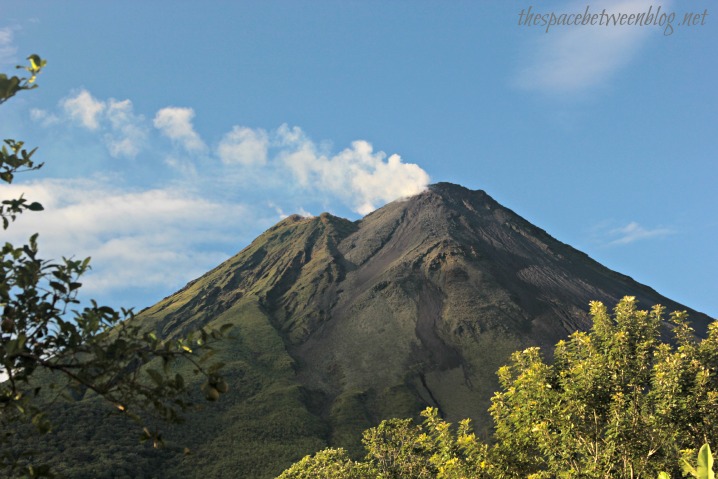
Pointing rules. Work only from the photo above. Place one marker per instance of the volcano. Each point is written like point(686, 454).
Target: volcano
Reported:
point(339, 324)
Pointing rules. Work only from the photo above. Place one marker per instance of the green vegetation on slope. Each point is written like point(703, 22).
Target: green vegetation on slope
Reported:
point(258, 428)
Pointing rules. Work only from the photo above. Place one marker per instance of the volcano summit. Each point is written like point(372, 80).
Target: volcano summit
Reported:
point(340, 324)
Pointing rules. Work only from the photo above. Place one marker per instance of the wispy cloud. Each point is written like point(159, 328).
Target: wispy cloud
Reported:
point(127, 134)
point(634, 232)
point(123, 132)
point(277, 162)
point(8, 50)
point(572, 59)
point(43, 117)
point(146, 238)
point(607, 234)
point(245, 146)
point(176, 124)
point(84, 109)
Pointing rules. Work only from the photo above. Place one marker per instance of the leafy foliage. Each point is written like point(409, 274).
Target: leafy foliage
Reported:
point(397, 448)
point(615, 402)
point(97, 351)
point(330, 462)
point(9, 86)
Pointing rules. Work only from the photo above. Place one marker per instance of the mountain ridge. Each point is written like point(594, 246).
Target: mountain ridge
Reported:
point(340, 324)
point(448, 266)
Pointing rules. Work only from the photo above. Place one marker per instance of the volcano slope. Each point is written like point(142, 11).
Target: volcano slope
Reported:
point(340, 324)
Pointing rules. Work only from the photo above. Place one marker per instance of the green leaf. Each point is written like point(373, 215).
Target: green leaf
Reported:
point(36, 62)
point(58, 287)
point(705, 463)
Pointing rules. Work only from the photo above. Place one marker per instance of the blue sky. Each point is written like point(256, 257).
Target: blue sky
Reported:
point(175, 132)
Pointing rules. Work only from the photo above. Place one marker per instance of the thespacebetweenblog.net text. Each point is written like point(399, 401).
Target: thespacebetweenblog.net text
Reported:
point(650, 16)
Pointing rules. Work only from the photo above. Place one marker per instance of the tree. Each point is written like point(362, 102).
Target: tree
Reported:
point(330, 464)
point(615, 402)
point(48, 350)
point(398, 449)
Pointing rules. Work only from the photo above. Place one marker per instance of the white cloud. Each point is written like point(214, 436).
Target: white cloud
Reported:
point(635, 232)
point(176, 124)
point(124, 132)
point(362, 178)
point(43, 117)
point(289, 137)
point(160, 237)
point(85, 109)
point(7, 48)
point(182, 165)
point(245, 146)
point(281, 162)
point(127, 132)
point(575, 58)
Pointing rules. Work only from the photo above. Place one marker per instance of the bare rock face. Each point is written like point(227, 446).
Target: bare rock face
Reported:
point(340, 324)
